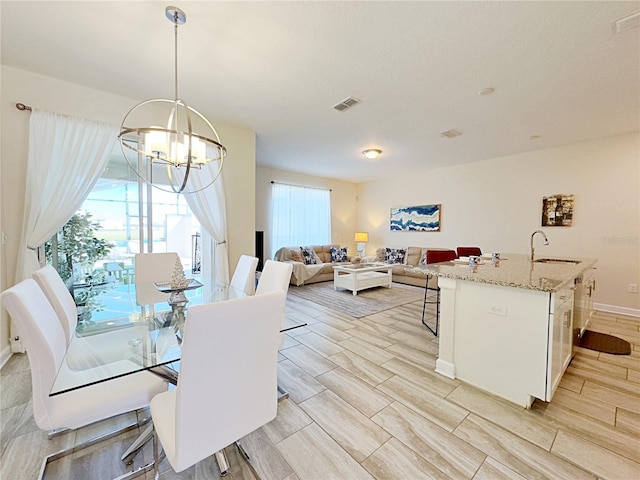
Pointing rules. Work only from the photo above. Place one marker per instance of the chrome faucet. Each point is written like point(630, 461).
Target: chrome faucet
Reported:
point(531, 249)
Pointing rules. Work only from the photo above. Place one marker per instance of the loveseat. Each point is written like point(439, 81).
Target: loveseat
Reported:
point(304, 274)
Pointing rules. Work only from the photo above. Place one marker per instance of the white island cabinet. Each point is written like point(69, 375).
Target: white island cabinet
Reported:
point(507, 328)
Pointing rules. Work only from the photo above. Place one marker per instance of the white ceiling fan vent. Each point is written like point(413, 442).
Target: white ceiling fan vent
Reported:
point(451, 133)
point(347, 103)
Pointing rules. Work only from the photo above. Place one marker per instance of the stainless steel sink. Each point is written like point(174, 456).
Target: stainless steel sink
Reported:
point(559, 261)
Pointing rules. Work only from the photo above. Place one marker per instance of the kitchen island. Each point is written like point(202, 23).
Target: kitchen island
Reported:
point(508, 328)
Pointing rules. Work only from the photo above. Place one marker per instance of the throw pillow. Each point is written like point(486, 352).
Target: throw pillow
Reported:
point(423, 259)
point(296, 255)
point(394, 255)
point(339, 254)
point(309, 256)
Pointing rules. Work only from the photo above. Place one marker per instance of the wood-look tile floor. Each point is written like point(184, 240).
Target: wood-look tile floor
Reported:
point(365, 403)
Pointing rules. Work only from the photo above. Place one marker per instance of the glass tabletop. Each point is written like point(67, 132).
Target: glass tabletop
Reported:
point(132, 343)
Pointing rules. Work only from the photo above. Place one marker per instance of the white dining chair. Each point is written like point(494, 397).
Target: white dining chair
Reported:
point(46, 344)
point(244, 275)
point(150, 268)
point(92, 350)
point(275, 276)
point(59, 297)
point(225, 392)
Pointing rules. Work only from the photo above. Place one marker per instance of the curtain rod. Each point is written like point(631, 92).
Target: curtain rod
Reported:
point(302, 186)
point(22, 107)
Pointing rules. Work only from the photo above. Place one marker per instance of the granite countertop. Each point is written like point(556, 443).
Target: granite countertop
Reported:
point(514, 270)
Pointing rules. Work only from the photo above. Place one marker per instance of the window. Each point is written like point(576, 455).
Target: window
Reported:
point(126, 217)
point(300, 216)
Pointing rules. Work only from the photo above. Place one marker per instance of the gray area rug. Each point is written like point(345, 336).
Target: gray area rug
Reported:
point(367, 302)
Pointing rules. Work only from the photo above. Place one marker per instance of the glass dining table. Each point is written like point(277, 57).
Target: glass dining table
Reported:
point(149, 341)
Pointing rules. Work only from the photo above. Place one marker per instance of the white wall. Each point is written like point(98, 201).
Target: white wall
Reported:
point(496, 204)
point(343, 205)
point(50, 94)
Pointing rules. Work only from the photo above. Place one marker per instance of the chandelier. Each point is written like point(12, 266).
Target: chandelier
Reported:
point(184, 154)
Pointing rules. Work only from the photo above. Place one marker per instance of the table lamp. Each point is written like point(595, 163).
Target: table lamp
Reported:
point(361, 238)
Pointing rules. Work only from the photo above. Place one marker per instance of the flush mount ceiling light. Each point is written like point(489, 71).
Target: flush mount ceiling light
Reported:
point(451, 133)
point(184, 155)
point(372, 153)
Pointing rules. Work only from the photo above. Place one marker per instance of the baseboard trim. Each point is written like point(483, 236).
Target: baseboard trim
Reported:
point(5, 355)
point(631, 312)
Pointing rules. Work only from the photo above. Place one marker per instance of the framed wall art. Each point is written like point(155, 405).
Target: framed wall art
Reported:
point(557, 210)
point(423, 218)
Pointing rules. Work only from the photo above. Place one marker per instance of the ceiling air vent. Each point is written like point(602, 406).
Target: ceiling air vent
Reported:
point(626, 23)
point(346, 104)
point(451, 133)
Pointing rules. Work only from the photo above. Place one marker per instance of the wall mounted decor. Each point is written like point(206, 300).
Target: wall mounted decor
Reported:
point(557, 210)
point(423, 218)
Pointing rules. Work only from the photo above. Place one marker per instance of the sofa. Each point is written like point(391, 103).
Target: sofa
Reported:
point(304, 274)
point(399, 271)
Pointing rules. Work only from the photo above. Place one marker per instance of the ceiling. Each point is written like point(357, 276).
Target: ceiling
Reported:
point(560, 75)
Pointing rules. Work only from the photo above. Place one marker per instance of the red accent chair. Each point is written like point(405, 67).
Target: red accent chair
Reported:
point(435, 256)
point(468, 251)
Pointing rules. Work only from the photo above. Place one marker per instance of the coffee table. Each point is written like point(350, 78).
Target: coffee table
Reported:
point(357, 277)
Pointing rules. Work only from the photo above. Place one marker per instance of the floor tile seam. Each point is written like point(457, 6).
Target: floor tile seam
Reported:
point(407, 446)
point(635, 396)
point(310, 373)
point(501, 441)
point(345, 439)
point(332, 439)
point(627, 431)
point(356, 353)
point(589, 369)
point(355, 406)
point(619, 360)
point(345, 331)
point(273, 444)
point(596, 446)
point(365, 359)
point(17, 424)
point(583, 398)
point(570, 427)
point(435, 425)
point(538, 419)
point(282, 450)
point(410, 405)
point(571, 430)
point(294, 432)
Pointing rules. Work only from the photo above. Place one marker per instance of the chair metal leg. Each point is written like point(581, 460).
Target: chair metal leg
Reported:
point(282, 393)
point(131, 452)
point(156, 462)
point(87, 443)
point(223, 464)
point(247, 460)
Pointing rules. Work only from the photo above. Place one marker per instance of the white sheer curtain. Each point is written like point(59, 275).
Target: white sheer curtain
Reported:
point(66, 157)
point(209, 207)
point(299, 216)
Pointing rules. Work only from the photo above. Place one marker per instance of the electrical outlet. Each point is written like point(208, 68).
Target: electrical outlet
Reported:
point(632, 288)
point(500, 310)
